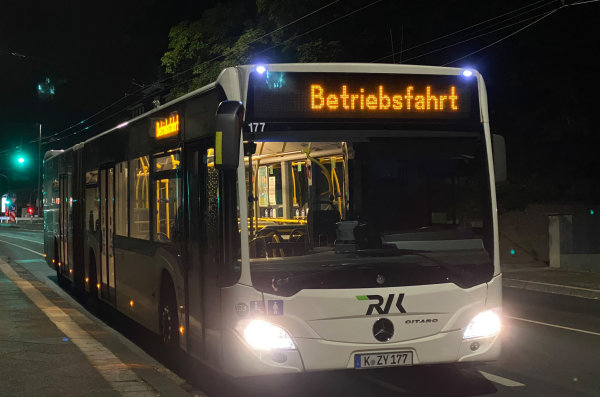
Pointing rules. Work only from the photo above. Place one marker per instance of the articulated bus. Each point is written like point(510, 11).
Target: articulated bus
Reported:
point(293, 218)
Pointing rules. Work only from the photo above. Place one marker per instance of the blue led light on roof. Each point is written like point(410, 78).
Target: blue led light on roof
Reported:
point(467, 73)
point(275, 80)
point(260, 69)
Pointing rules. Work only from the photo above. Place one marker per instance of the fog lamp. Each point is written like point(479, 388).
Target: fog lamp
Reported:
point(262, 335)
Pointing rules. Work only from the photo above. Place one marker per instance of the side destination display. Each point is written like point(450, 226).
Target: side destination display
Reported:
point(283, 96)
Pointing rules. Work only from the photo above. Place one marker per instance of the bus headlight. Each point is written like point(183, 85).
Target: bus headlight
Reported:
point(484, 324)
point(262, 335)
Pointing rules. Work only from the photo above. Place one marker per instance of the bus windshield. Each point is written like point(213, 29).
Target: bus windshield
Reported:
point(369, 212)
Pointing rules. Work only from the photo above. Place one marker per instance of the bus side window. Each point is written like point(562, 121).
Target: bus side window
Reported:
point(121, 199)
point(139, 200)
point(92, 200)
point(167, 184)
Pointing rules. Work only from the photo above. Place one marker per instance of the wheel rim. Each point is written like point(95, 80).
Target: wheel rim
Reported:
point(167, 324)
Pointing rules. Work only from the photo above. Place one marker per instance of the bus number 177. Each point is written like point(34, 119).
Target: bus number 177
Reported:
point(256, 127)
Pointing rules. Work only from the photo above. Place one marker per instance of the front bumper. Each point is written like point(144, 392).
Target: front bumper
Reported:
point(319, 355)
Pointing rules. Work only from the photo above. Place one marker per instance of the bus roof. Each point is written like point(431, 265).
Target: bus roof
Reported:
point(357, 68)
point(286, 67)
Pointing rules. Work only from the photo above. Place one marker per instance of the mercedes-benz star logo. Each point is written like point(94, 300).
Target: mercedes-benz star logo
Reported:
point(383, 330)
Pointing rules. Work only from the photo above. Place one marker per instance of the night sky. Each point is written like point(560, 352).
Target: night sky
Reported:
point(542, 82)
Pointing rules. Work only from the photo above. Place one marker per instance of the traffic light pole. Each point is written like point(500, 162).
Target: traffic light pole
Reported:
point(38, 200)
point(7, 182)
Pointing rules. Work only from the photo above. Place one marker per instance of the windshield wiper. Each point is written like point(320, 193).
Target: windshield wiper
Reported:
point(453, 274)
point(282, 282)
point(391, 251)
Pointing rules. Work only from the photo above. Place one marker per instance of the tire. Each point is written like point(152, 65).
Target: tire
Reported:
point(167, 316)
point(63, 282)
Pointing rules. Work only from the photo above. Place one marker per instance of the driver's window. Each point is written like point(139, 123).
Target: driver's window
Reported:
point(296, 195)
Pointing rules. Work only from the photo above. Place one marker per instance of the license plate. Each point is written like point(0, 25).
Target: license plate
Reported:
point(378, 360)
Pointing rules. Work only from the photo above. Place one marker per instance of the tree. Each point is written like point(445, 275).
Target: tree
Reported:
point(234, 33)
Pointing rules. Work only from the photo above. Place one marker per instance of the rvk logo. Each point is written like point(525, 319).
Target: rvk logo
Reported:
point(377, 306)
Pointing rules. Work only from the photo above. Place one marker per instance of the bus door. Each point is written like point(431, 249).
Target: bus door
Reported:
point(63, 208)
point(201, 208)
point(107, 213)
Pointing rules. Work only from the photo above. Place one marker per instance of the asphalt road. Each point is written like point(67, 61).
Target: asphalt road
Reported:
point(551, 347)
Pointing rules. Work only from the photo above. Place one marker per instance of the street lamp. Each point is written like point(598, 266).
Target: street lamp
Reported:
point(38, 200)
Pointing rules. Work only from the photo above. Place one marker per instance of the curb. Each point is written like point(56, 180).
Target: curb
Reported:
point(578, 292)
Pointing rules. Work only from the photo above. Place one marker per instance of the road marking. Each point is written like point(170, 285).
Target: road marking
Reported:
point(554, 285)
point(25, 261)
point(24, 239)
point(500, 380)
point(117, 374)
point(20, 246)
point(554, 325)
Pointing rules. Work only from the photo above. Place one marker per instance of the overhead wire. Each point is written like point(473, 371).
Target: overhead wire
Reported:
point(563, 5)
point(502, 39)
point(577, 3)
point(229, 52)
point(476, 37)
point(475, 25)
point(294, 37)
point(321, 26)
point(49, 139)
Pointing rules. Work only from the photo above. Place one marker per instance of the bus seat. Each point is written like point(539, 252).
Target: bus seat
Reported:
point(322, 226)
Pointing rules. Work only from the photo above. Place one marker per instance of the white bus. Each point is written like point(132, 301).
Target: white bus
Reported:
point(293, 218)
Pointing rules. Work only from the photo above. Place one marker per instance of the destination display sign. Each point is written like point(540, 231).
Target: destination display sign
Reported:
point(166, 127)
point(281, 96)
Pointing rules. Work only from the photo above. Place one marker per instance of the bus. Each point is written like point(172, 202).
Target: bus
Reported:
point(290, 218)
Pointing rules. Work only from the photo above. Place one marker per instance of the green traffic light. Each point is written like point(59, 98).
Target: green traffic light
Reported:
point(21, 159)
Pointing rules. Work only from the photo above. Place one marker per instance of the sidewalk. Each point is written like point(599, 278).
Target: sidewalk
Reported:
point(550, 280)
point(48, 347)
point(23, 225)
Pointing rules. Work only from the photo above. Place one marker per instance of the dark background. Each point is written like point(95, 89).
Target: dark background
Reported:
point(542, 82)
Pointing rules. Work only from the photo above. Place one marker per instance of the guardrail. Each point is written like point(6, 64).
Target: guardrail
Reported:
point(23, 220)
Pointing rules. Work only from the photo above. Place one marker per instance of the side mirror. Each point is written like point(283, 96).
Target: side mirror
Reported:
point(499, 153)
point(228, 133)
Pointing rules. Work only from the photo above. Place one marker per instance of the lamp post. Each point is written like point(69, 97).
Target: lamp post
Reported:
point(38, 200)
point(7, 182)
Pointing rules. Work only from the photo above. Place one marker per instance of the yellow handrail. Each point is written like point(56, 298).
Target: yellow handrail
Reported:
point(166, 182)
point(157, 206)
point(294, 183)
point(283, 220)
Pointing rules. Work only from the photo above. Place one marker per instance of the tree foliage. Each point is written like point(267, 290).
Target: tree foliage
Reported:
point(234, 33)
